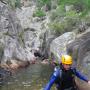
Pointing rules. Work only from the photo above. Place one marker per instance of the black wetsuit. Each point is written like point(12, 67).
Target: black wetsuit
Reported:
point(65, 79)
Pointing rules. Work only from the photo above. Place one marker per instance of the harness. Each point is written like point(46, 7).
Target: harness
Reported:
point(66, 79)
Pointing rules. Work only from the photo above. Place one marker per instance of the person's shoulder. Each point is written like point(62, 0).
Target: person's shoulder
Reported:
point(73, 69)
point(57, 71)
point(56, 68)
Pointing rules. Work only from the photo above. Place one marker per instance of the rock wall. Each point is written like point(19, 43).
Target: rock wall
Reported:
point(80, 50)
point(58, 45)
point(12, 48)
point(21, 35)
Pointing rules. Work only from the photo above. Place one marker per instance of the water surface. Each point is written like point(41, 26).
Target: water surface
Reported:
point(33, 77)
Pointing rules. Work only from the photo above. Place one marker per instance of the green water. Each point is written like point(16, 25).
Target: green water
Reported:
point(34, 77)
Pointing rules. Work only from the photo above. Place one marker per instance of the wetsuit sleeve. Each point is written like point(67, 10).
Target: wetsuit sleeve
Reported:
point(80, 75)
point(50, 83)
point(52, 80)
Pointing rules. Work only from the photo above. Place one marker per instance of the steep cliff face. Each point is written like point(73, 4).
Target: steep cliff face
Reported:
point(37, 35)
point(80, 50)
point(21, 34)
point(11, 41)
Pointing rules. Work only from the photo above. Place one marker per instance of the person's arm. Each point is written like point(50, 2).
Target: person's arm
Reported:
point(52, 80)
point(80, 75)
point(50, 83)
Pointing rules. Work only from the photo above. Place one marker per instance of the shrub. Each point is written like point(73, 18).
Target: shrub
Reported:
point(14, 3)
point(60, 12)
point(79, 5)
point(57, 27)
point(87, 19)
point(17, 3)
point(57, 13)
point(41, 3)
point(68, 22)
point(38, 13)
point(72, 14)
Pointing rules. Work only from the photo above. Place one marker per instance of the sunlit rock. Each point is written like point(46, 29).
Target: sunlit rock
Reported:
point(58, 45)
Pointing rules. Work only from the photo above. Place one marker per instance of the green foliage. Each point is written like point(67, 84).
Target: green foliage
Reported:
point(17, 3)
point(72, 14)
point(59, 12)
point(87, 19)
point(68, 23)
point(41, 3)
point(39, 13)
point(14, 3)
point(68, 2)
point(87, 3)
point(79, 5)
point(57, 27)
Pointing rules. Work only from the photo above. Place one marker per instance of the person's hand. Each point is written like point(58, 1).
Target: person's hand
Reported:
point(88, 82)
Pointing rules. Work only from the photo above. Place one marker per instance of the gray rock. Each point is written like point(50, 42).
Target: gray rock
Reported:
point(58, 45)
point(11, 37)
point(80, 50)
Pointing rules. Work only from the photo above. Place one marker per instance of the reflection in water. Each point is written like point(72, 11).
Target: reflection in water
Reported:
point(31, 78)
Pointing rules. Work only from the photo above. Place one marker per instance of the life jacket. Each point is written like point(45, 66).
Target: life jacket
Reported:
point(66, 79)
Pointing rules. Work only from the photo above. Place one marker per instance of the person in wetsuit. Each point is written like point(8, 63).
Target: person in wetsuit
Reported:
point(64, 75)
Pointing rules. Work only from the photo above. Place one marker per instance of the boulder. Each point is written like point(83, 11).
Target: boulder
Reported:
point(80, 50)
point(58, 45)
